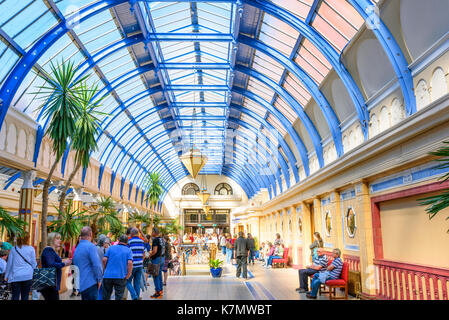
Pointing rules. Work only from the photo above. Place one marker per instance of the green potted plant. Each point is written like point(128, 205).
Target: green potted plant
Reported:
point(215, 267)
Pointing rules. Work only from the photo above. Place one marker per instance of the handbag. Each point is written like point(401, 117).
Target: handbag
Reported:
point(42, 277)
point(153, 269)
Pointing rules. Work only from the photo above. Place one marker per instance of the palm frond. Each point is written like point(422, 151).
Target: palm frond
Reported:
point(11, 225)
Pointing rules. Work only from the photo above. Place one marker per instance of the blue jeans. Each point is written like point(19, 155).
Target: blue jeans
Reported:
point(133, 283)
point(251, 255)
point(315, 284)
point(158, 285)
point(270, 259)
point(224, 250)
point(228, 255)
point(90, 293)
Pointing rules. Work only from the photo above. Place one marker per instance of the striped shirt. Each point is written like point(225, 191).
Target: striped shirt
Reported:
point(321, 261)
point(338, 266)
point(137, 247)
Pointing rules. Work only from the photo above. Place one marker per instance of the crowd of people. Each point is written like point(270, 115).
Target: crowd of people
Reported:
point(99, 267)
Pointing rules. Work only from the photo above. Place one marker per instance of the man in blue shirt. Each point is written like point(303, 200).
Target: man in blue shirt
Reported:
point(89, 265)
point(333, 272)
point(319, 264)
point(137, 247)
point(118, 267)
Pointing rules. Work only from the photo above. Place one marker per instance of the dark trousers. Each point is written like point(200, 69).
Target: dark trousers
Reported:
point(90, 293)
point(304, 277)
point(21, 289)
point(242, 264)
point(252, 253)
point(50, 293)
point(118, 285)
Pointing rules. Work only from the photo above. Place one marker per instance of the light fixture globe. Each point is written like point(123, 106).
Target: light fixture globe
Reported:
point(194, 161)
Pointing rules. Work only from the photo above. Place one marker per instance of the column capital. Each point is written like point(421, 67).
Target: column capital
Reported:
point(28, 178)
point(78, 192)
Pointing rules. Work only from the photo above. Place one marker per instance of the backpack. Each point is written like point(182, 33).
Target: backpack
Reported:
point(162, 243)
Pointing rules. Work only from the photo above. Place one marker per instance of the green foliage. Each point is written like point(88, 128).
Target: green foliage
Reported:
point(105, 216)
point(87, 124)
point(69, 223)
point(256, 243)
point(60, 103)
point(441, 201)
point(11, 225)
point(156, 220)
point(173, 226)
point(136, 218)
point(217, 263)
point(116, 231)
point(153, 185)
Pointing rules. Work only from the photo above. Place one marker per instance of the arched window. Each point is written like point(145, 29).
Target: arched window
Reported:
point(190, 189)
point(223, 189)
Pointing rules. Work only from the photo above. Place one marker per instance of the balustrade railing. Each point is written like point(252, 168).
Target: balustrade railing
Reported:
point(404, 281)
point(353, 261)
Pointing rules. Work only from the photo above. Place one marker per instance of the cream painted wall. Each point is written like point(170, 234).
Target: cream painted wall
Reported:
point(409, 236)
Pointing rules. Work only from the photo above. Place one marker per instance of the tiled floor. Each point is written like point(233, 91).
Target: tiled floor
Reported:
point(263, 284)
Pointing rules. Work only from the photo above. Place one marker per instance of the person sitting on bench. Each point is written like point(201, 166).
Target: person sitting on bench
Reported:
point(278, 254)
point(319, 264)
point(333, 272)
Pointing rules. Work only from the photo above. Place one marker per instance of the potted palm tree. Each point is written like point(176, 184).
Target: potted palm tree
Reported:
point(439, 202)
point(11, 225)
point(215, 267)
point(86, 126)
point(105, 215)
point(60, 104)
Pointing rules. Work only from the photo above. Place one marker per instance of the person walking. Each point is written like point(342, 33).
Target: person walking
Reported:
point(118, 267)
point(136, 244)
point(89, 265)
point(102, 246)
point(51, 259)
point(167, 258)
point(252, 248)
point(241, 247)
point(20, 267)
point(228, 249)
point(223, 244)
point(156, 256)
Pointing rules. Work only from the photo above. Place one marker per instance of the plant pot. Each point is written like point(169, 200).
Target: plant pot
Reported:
point(216, 272)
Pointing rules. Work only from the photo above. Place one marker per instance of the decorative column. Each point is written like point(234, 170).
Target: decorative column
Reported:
point(367, 269)
point(26, 202)
point(306, 233)
point(77, 202)
point(338, 221)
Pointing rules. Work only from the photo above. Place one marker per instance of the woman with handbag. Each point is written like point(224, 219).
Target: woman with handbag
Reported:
point(51, 259)
point(20, 268)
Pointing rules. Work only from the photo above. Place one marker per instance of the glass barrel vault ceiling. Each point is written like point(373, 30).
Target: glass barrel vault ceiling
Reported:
point(161, 60)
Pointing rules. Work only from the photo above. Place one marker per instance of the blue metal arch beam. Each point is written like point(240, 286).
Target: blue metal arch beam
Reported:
point(283, 120)
point(392, 49)
point(326, 49)
point(328, 113)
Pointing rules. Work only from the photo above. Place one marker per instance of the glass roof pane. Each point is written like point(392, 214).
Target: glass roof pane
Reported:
point(278, 34)
point(300, 8)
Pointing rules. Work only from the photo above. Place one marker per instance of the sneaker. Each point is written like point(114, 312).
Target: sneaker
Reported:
point(155, 295)
point(310, 296)
point(301, 290)
point(161, 292)
point(270, 267)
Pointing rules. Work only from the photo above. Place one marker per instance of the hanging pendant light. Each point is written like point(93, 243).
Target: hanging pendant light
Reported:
point(204, 196)
point(193, 160)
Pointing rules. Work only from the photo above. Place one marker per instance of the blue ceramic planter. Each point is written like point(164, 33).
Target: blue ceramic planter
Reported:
point(216, 272)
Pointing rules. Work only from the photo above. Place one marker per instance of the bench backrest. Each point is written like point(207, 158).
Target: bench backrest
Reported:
point(345, 271)
point(285, 253)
